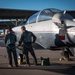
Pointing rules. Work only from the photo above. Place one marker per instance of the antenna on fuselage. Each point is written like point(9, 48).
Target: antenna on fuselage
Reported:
point(64, 12)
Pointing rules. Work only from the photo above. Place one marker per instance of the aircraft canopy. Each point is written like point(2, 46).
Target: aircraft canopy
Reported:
point(46, 14)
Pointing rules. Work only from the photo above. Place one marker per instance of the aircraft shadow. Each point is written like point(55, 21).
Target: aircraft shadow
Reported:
point(55, 67)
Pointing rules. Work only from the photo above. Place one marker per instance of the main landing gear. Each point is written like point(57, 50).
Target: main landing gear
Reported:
point(66, 54)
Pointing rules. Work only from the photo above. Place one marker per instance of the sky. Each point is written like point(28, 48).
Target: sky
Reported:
point(38, 4)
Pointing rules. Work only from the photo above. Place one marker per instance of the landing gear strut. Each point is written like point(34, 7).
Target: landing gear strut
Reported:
point(66, 56)
point(66, 53)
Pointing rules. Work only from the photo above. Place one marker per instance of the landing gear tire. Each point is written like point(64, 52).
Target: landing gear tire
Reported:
point(66, 56)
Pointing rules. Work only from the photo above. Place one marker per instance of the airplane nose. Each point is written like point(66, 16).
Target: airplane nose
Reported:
point(69, 25)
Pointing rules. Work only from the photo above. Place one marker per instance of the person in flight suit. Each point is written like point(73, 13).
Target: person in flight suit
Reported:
point(26, 39)
point(10, 40)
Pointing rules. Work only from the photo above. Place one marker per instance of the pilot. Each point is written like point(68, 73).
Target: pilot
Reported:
point(26, 39)
point(10, 40)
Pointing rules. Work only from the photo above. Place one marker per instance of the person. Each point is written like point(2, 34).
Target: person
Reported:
point(26, 39)
point(10, 41)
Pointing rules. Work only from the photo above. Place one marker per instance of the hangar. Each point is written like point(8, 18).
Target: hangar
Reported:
point(14, 17)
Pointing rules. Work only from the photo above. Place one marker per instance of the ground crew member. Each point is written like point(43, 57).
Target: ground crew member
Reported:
point(10, 40)
point(26, 39)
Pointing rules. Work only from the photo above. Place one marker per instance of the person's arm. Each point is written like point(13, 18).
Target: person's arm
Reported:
point(21, 39)
point(34, 37)
point(5, 39)
point(15, 38)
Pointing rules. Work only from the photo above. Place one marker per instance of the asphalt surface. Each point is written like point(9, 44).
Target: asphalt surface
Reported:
point(56, 67)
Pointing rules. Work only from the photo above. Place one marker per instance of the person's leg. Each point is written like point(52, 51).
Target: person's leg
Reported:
point(26, 56)
point(33, 54)
point(21, 56)
point(15, 57)
point(9, 56)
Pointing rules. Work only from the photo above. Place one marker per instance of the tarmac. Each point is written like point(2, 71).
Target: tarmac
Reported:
point(56, 67)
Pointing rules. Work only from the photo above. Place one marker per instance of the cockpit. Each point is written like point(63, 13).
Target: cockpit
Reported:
point(46, 14)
